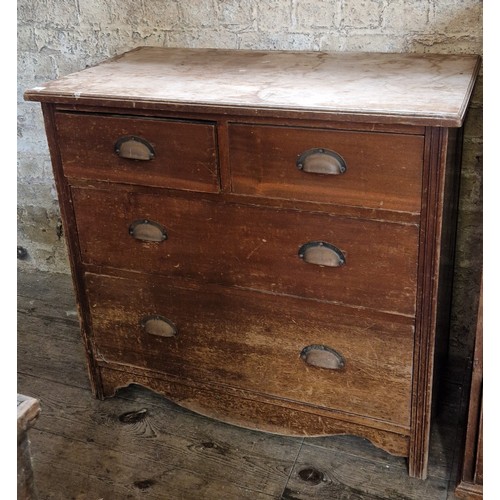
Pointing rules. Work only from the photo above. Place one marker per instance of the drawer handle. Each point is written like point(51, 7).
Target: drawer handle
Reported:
point(321, 161)
point(146, 230)
point(159, 326)
point(321, 254)
point(322, 356)
point(132, 147)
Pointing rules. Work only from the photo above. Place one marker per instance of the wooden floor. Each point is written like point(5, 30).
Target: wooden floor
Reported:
point(137, 445)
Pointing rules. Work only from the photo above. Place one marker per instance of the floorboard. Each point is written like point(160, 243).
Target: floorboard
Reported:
point(321, 473)
point(140, 445)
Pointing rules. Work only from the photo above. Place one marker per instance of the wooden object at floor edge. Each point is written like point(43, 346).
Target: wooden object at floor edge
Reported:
point(28, 410)
point(470, 485)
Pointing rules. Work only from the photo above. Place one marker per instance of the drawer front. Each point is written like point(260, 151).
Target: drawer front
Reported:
point(252, 247)
point(146, 151)
point(373, 170)
point(240, 338)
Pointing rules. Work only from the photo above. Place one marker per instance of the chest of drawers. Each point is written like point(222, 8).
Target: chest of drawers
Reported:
point(265, 237)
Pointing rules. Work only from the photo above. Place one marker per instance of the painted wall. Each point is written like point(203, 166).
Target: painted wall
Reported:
point(58, 37)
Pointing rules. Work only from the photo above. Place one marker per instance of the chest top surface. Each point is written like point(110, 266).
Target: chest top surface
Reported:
point(423, 89)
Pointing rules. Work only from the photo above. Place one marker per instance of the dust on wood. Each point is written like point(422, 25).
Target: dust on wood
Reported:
point(82, 450)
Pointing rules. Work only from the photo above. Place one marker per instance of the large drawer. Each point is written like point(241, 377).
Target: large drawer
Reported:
point(176, 154)
point(382, 170)
point(251, 341)
point(252, 247)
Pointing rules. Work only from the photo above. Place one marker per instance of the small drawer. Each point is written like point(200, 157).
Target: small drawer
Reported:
point(350, 261)
point(145, 151)
point(361, 169)
point(240, 338)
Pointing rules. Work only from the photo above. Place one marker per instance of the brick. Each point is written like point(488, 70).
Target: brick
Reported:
point(330, 42)
point(38, 224)
point(456, 16)
point(403, 16)
point(362, 14)
point(274, 16)
point(50, 12)
point(198, 13)
point(159, 14)
point(282, 41)
point(445, 44)
point(373, 43)
point(239, 16)
point(313, 14)
point(222, 39)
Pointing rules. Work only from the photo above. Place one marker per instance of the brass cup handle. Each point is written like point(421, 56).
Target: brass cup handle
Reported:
point(132, 147)
point(146, 230)
point(321, 161)
point(322, 356)
point(321, 253)
point(158, 326)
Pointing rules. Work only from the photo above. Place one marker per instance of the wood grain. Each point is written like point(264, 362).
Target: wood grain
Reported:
point(322, 475)
point(251, 247)
point(87, 146)
point(430, 259)
point(358, 212)
point(47, 318)
point(383, 170)
point(61, 351)
point(97, 472)
point(430, 89)
point(75, 431)
point(445, 440)
point(28, 409)
point(232, 337)
point(253, 411)
point(183, 453)
point(470, 484)
point(71, 239)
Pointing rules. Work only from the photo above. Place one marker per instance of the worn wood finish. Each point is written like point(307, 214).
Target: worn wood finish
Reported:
point(433, 88)
point(102, 440)
point(28, 410)
point(390, 225)
point(302, 120)
point(353, 212)
point(447, 257)
point(383, 170)
point(233, 406)
point(250, 247)
point(81, 446)
point(71, 239)
point(323, 475)
point(437, 234)
point(470, 484)
point(223, 339)
point(446, 429)
point(87, 146)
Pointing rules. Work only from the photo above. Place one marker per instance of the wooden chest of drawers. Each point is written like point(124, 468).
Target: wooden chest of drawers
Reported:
point(265, 237)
